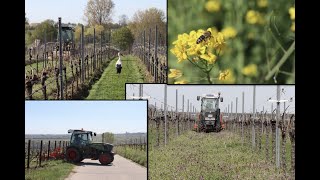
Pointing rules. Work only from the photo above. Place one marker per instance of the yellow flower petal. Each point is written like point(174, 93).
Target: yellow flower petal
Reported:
point(174, 73)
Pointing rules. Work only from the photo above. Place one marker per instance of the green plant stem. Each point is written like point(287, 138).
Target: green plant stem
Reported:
point(203, 69)
point(282, 61)
point(208, 77)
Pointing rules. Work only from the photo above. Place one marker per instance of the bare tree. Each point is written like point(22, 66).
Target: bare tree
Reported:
point(123, 20)
point(98, 11)
point(148, 19)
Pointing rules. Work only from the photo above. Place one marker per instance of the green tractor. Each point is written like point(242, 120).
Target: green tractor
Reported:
point(82, 147)
point(210, 119)
point(67, 37)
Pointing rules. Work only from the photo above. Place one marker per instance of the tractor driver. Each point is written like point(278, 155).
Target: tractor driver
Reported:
point(77, 139)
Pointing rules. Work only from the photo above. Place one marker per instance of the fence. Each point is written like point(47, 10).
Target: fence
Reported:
point(39, 152)
point(54, 73)
point(177, 123)
point(153, 54)
point(137, 144)
point(259, 132)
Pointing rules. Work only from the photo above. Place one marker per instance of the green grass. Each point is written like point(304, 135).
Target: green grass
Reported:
point(209, 156)
point(136, 155)
point(53, 170)
point(112, 86)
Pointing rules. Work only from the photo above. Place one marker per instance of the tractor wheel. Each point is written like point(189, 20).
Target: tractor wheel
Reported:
point(105, 158)
point(73, 155)
point(112, 157)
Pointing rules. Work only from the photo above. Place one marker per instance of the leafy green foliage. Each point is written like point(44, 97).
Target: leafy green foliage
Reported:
point(108, 137)
point(44, 29)
point(123, 38)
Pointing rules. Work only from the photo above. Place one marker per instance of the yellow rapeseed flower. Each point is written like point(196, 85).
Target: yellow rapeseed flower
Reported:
point(186, 47)
point(229, 32)
point(181, 82)
point(292, 13)
point(254, 17)
point(219, 42)
point(250, 70)
point(262, 3)
point(293, 26)
point(211, 58)
point(213, 5)
point(227, 76)
point(175, 73)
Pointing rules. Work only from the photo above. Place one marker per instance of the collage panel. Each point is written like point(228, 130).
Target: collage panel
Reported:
point(77, 140)
point(219, 131)
point(89, 51)
point(131, 91)
point(231, 42)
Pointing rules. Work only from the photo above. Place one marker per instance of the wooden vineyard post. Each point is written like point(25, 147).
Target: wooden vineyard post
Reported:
point(55, 145)
point(61, 59)
point(158, 130)
point(40, 154)
point(292, 139)
point(29, 85)
point(37, 63)
point(43, 83)
point(48, 151)
point(273, 132)
point(73, 77)
point(63, 146)
point(266, 124)
point(28, 154)
point(258, 134)
point(149, 52)
point(65, 78)
point(78, 72)
point(30, 55)
point(283, 129)
point(87, 67)
point(52, 58)
point(156, 56)
point(57, 81)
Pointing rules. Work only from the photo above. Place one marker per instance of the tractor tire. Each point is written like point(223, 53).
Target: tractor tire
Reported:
point(105, 158)
point(73, 155)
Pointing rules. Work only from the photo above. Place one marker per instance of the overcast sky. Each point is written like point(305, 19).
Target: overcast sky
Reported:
point(73, 10)
point(228, 92)
point(56, 117)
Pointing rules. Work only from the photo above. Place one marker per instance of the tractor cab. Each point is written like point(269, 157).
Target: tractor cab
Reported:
point(209, 116)
point(67, 37)
point(81, 137)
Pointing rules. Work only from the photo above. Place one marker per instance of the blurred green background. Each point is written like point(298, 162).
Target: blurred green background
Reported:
point(260, 53)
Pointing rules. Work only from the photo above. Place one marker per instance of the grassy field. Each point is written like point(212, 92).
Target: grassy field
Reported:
point(136, 155)
point(53, 170)
point(112, 86)
point(209, 156)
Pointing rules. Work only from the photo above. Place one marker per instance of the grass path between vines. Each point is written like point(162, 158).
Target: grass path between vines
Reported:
point(209, 156)
point(111, 86)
